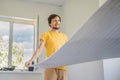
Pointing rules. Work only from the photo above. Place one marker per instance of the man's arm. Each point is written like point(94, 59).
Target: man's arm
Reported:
point(36, 54)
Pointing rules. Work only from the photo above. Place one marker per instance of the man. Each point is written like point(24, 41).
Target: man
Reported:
point(52, 40)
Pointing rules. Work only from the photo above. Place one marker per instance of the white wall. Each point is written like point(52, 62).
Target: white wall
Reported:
point(75, 13)
point(86, 71)
point(112, 69)
point(101, 2)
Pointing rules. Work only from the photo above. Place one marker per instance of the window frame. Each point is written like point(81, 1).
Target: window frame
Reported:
point(12, 20)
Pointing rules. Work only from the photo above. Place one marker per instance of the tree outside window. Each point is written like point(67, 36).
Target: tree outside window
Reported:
point(22, 44)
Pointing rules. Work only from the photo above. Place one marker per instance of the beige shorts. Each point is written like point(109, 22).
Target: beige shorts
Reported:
point(55, 74)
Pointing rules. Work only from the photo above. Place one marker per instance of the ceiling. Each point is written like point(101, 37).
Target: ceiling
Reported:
point(52, 2)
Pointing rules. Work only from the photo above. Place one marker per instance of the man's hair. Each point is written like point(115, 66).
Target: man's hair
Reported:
point(52, 16)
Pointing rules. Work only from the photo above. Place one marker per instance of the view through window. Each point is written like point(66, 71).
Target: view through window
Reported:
point(23, 44)
point(4, 43)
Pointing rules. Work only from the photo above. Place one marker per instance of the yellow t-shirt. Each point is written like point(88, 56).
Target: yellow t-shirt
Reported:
point(53, 41)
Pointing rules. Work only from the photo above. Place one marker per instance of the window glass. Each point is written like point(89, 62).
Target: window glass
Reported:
point(23, 44)
point(4, 43)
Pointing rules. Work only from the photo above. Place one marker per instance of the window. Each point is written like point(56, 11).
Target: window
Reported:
point(23, 44)
point(17, 42)
point(4, 43)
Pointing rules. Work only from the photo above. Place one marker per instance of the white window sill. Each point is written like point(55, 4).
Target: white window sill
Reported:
point(16, 71)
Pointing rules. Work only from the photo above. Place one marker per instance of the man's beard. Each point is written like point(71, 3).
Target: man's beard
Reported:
point(56, 28)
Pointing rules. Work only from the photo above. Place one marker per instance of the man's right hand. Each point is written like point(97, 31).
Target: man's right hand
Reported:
point(28, 63)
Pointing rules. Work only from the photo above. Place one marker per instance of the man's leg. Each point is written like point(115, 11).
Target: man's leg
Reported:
point(61, 74)
point(50, 74)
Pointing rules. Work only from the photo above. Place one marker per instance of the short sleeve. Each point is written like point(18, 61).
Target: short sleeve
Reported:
point(66, 37)
point(43, 37)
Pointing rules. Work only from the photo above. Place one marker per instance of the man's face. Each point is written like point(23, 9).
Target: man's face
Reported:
point(55, 23)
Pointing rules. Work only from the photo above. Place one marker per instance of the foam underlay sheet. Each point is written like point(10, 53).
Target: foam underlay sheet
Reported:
point(98, 39)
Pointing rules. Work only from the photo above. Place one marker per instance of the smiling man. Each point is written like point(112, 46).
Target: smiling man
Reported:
point(52, 40)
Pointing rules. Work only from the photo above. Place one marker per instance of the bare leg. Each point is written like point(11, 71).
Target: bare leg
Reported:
point(61, 74)
point(50, 74)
